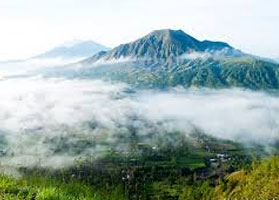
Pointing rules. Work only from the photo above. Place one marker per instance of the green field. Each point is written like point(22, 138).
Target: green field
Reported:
point(145, 172)
point(196, 164)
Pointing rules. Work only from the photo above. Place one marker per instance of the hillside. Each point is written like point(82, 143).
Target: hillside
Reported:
point(167, 58)
point(150, 177)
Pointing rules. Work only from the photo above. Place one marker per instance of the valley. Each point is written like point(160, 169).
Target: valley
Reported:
point(164, 117)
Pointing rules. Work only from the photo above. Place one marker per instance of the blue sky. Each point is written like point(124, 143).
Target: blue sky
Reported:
point(29, 27)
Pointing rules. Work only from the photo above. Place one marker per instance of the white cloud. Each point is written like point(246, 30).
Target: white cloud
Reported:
point(231, 114)
point(29, 66)
point(114, 61)
point(196, 55)
point(40, 117)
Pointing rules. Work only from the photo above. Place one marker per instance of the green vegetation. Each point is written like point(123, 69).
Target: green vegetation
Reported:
point(40, 187)
point(195, 167)
point(168, 58)
point(188, 169)
point(259, 182)
point(244, 72)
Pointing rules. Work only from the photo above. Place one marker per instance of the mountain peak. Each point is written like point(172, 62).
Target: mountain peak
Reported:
point(74, 49)
point(169, 34)
point(177, 37)
point(164, 44)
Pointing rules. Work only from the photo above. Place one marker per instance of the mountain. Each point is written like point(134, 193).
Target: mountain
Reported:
point(74, 49)
point(164, 44)
point(168, 58)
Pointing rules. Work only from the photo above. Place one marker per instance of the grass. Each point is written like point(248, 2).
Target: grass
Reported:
point(44, 188)
point(259, 182)
point(167, 173)
point(191, 163)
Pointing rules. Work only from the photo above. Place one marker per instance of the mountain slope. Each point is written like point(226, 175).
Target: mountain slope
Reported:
point(164, 44)
point(167, 58)
point(75, 49)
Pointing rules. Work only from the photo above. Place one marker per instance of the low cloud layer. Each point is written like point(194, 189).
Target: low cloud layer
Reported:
point(32, 66)
point(52, 121)
point(231, 114)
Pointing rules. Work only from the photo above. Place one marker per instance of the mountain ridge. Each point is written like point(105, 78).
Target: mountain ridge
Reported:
point(168, 58)
point(164, 44)
point(73, 50)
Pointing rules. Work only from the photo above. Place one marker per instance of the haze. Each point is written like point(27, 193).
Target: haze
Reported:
point(39, 116)
point(29, 27)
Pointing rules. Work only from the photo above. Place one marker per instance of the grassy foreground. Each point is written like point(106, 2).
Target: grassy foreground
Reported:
point(195, 168)
point(44, 188)
point(260, 182)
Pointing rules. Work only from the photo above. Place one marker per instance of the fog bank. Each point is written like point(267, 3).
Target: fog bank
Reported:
point(52, 121)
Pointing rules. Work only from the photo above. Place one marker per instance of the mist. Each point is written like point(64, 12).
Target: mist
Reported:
point(233, 114)
point(53, 121)
point(32, 66)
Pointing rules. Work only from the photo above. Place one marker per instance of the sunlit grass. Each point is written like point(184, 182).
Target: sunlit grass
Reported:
point(44, 188)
